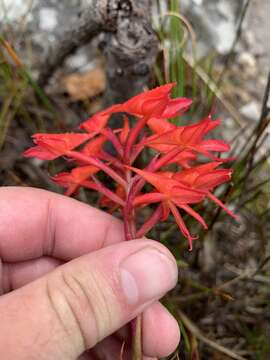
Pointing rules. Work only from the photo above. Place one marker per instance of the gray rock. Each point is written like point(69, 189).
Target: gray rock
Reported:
point(251, 111)
point(13, 10)
point(215, 22)
point(48, 19)
point(45, 21)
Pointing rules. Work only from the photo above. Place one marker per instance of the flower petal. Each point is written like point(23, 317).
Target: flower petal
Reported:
point(176, 107)
point(51, 146)
point(194, 214)
point(148, 198)
point(214, 145)
point(160, 126)
point(181, 224)
point(100, 120)
point(220, 203)
point(74, 179)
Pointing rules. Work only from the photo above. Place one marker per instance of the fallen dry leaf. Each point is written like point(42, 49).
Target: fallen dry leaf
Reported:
point(86, 85)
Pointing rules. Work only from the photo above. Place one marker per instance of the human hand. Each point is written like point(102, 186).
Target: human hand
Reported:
point(77, 282)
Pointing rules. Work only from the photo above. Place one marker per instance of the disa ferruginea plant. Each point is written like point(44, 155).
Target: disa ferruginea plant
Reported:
point(173, 191)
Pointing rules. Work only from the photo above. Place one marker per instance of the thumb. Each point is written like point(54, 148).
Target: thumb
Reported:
point(80, 303)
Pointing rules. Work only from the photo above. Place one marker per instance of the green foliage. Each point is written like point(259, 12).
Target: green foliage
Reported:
point(258, 343)
point(16, 84)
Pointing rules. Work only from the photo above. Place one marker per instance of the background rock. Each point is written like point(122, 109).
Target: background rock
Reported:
point(215, 22)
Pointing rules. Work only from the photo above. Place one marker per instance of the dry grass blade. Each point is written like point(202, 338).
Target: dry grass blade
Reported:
point(198, 334)
point(216, 90)
point(25, 74)
point(10, 103)
point(4, 123)
point(185, 21)
point(11, 52)
point(121, 357)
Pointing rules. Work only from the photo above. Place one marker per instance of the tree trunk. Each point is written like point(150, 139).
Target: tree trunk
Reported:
point(129, 45)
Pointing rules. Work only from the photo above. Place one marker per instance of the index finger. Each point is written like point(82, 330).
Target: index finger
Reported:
point(35, 222)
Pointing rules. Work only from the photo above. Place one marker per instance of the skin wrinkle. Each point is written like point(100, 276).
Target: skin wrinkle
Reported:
point(104, 307)
point(5, 278)
point(1, 277)
point(94, 310)
point(1, 261)
point(87, 344)
point(50, 229)
point(49, 294)
point(71, 306)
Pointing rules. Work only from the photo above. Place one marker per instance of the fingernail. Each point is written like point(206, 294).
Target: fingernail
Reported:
point(147, 275)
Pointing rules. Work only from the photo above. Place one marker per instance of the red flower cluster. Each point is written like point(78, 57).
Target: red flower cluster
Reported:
point(175, 192)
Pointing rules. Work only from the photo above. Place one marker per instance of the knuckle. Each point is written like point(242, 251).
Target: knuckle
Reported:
point(61, 310)
point(81, 305)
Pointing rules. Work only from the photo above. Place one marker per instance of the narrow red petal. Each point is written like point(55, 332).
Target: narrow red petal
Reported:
point(40, 153)
point(176, 107)
point(215, 145)
point(194, 214)
point(100, 120)
point(149, 103)
point(114, 140)
point(193, 134)
point(51, 146)
point(108, 193)
point(184, 194)
point(124, 131)
point(165, 211)
point(160, 126)
point(181, 224)
point(150, 222)
point(171, 188)
point(99, 164)
point(213, 179)
point(93, 147)
point(203, 176)
point(219, 203)
point(149, 198)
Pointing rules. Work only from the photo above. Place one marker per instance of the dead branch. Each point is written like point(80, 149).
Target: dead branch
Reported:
point(80, 32)
point(129, 45)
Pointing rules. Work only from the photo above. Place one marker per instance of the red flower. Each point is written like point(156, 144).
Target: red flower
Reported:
point(183, 159)
point(156, 103)
point(124, 131)
point(111, 205)
point(189, 138)
point(74, 179)
point(160, 126)
point(99, 121)
point(94, 147)
point(180, 145)
point(51, 146)
point(206, 177)
point(80, 177)
point(172, 194)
